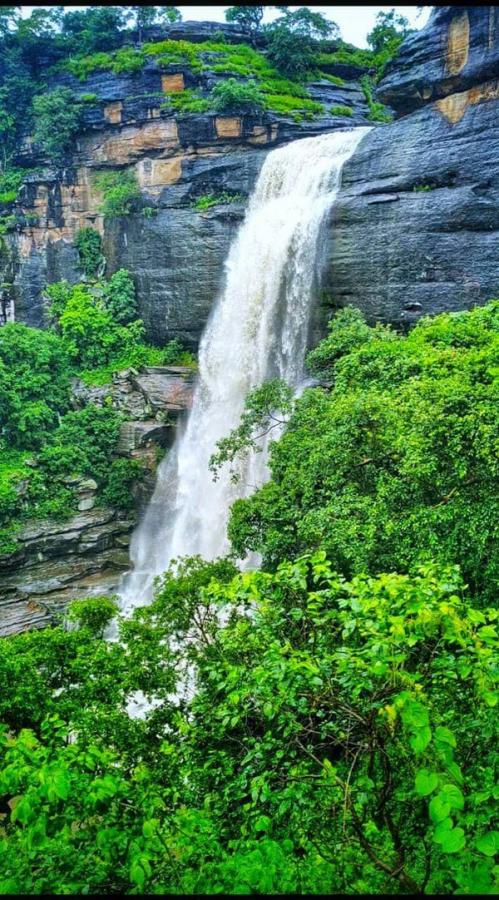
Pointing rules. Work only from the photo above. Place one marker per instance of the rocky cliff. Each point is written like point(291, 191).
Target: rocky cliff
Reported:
point(415, 228)
point(174, 252)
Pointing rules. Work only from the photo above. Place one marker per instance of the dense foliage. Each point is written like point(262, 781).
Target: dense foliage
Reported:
point(404, 466)
point(338, 736)
point(46, 444)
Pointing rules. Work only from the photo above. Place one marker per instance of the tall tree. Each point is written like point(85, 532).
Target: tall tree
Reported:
point(248, 17)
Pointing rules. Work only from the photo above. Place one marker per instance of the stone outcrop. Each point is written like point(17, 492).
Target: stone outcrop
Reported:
point(56, 562)
point(415, 227)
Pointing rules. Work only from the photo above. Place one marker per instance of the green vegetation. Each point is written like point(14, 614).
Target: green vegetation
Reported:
point(403, 467)
point(89, 245)
point(10, 183)
point(206, 201)
point(232, 96)
point(341, 111)
point(57, 120)
point(377, 111)
point(187, 101)
point(339, 733)
point(121, 193)
point(44, 443)
point(340, 738)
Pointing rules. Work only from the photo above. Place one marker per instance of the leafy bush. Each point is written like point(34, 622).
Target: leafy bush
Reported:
point(341, 111)
point(291, 54)
point(57, 120)
point(119, 297)
point(402, 468)
point(10, 182)
point(206, 201)
point(120, 191)
point(94, 613)
point(89, 245)
point(234, 96)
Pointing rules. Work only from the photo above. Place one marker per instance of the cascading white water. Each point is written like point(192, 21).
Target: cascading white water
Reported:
point(258, 330)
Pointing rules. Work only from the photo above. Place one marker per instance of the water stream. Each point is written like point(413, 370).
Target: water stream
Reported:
point(258, 330)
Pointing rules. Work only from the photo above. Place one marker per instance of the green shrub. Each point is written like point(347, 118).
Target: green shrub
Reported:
point(236, 97)
point(121, 193)
point(186, 101)
point(123, 474)
point(341, 111)
point(206, 201)
point(10, 182)
point(94, 613)
point(119, 297)
point(89, 245)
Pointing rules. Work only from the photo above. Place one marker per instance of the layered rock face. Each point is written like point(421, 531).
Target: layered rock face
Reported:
point(174, 252)
point(415, 227)
point(56, 562)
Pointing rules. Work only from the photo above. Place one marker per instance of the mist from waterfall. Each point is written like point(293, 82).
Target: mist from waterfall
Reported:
point(258, 330)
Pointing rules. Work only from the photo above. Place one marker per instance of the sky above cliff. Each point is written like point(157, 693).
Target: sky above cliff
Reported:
point(354, 21)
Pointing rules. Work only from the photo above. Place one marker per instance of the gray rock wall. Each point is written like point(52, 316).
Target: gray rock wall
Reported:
point(415, 228)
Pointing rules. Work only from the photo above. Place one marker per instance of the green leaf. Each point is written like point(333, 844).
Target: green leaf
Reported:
point(60, 783)
point(439, 809)
point(442, 829)
point(445, 736)
point(488, 843)
point(426, 782)
point(420, 739)
point(453, 796)
point(262, 823)
point(415, 714)
point(137, 875)
point(453, 841)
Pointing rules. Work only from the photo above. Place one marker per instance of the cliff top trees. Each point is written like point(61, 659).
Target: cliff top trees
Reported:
point(293, 37)
point(145, 16)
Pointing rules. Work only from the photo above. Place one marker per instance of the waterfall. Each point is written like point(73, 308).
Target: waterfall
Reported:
point(258, 330)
